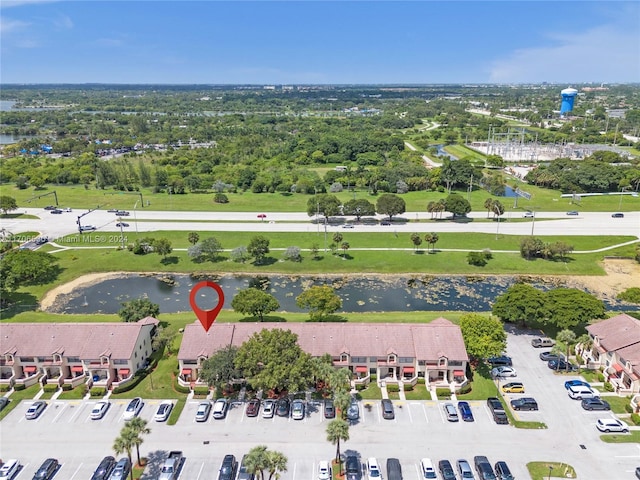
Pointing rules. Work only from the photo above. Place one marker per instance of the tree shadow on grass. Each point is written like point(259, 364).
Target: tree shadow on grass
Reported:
point(329, 318)
point(17, 302)
point(266, 318)
point(266, 261)
point(169, 260)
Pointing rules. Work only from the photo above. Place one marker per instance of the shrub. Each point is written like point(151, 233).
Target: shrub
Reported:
point(601, 377)
point(421, 381)
point(50, 387)
point(220, 198)
point(443, 393)
point(181, 389)
point(361, 386)
point(408, 387)
point(98, 391)
point(631, 295)
point(608, 387)
point(635, 418)
point(374, 377)
point(201, 391)
point(476, 258)
point(66, 387)
point(4, 388)
point(628, 408)
point(19, 386)
point(393, 388)
point(293, 254)
point(465, 389)
point(130, 385)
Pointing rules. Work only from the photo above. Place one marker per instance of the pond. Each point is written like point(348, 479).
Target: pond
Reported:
point(358, 293)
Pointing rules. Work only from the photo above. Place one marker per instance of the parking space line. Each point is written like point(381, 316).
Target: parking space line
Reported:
point(75, 414)
point(59, 413)
point(294, 470)
point(200, 471)
point(424, 410)
point(74, 473)
point(409, 411)
point(184, 462)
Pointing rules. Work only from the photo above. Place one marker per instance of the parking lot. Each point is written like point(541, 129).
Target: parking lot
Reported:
point(65, 431)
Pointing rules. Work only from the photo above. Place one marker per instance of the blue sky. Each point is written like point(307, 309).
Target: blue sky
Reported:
point(326, 42)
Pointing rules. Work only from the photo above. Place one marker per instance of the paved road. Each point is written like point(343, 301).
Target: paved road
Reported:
point(545, 223)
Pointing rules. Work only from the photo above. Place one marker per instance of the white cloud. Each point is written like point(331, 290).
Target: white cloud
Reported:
point(63, 22)
point(602, 54)
point(20, 3)
point(9, 26)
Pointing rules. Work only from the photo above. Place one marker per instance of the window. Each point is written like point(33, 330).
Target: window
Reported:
point(406, 360)
point(373, 359)
point(73, 359)
point(344, 357)
point(358, 359)
point(27, 359)
point(120, 361)
point(392, 358)
point(442, 362)
point(455, 363)
point(57, 358)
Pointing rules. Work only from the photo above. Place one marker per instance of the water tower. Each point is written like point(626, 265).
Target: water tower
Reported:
point(568, 97)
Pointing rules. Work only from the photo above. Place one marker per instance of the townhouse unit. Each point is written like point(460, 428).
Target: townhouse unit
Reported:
point(396, 352)
point(100, 354)
point(616, 348)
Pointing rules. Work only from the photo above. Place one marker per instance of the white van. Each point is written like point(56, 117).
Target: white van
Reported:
point(578, 392)
point(428, 471)
point(9, 469)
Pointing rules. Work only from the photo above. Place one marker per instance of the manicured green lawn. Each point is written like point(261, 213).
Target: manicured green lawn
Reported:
point(482, 386)
point(540, 470)
point(632, 437)
point(419, 392)
point(617, 403)
point(17, 396)
point(372, 392)
point(75, 394)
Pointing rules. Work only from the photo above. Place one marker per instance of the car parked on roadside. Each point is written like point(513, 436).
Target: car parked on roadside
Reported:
point(548, 356)
point(9, 469)
point(47, 470)
point(268, 408)
point(220, 407)
point(524, 403)
point(500, 361)
point(465, 411)
point(35, 410)
point(163, 411)
point(611, 425)
point(282, 407)
point(104, 469)
point(99, 410)
point(512, 387)
point(446, 470)
point(595, 403)
point(133, 409)
point(297, 409)
point(203, 411)
point(540, 342)
point(503, 372)
point(387, 409)
point(329, 409)
point(253, 407)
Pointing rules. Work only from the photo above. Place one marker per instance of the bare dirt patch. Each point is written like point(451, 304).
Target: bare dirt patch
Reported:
point(620, 275)
point(67, 288)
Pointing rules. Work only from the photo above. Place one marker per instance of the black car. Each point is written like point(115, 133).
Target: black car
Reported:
point(352, 468)
point(122, 213)
point(617, 215)
point(282, 407)
point(387, 409)
point(42, 240)
point(446, 470)
point(548, 356)
point(104, 469)
point(638, 472)
point(329, 409)
point(4, 401)
point(524, 403)
point(501, 361)
point(483, 467)
point(122, 224)
point(595, 403)
point(502, 471)
point(561, 365)
point(48, 468)
point(56, 212)
point(228, 468)
point(50, 207)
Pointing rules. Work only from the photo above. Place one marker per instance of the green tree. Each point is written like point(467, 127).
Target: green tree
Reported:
point(139, 427)
point(124, 443)
point(323, 204)
point(568, 338)
point(7, 204)
point(258, 248)
point(531, 247)
point(337, 431)
point(272, 359)
point(416, 239)
point(219, 369)
point(137, 309)
point(488, 205)
point(431, 239)
point(342, 400)
point(164, 339)
point(344, 246)
point(257, 461)
point(483, 336)
point(210, 249)
point(390, 204)
point(20, 268)
point(162, 246)
point(321, 300)
point(337, 238)
point(276, 463)
point(457, 204)
point(257, 303)
point(520, 303)
point(193, 238)
point(569, 307)
point(359, 207)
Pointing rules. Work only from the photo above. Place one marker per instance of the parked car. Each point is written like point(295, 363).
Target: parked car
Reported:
point(35, 409)
point(373, 470)
point(253, 407)
point(324, 471)
point(611, 425)
point(446, 470)
point(497, 411)
point(502, 471)
point(548, 356)
point(540, 342)
point(579, 392)
point(228, 468)
point(595, 403)
point(394, 469)
point(387, 409)
point(282, 407)
point(297, 409)
point(576, 383)
point(524, 403)
point(104, 469)
point(268, 408)
point(352, 468)
point(427, 469)
point(617, 215)
point(99, 410)
point(112, 210)
point(243, 470)
point(464, 469)
point(500, 361)
point(572, 212)
point(450, 412)
point(353, 412)
point(133, 408)
point(503, 372)
point(48, 468)
point(9, 469)
point(220, 407)
point(164, 410)
point(329, 409)
point(465, 411)
point(562, 365)
point(42, 240)
point(203, 411)
point(483, 467)
point(513, 387)
point(4, 401)
point(385, 223)
point(637, 472)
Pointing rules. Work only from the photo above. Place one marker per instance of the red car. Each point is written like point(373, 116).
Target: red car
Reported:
point(253, 407)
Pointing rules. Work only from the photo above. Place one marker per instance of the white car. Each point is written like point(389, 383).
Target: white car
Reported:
point(611, 425)
point(373, 469)
point(202, 414)
point(164, 410)
point(99, 410)
point(220, 408)
point(269, 408)
point(427, 469)
point(324, 471)
point(297, 410)
point(133, 409)
point(503, 372)
point(9, 469)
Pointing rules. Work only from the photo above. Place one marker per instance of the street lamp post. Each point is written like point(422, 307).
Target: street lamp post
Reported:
point(550, 469)
point(135, 217)
point(533, 223)
point(621, 192)
point(498, 224)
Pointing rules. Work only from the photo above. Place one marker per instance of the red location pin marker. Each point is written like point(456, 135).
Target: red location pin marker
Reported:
point(206, 317)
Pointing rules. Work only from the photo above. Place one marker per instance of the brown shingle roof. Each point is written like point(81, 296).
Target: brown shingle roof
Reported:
point(84, 340)
point(425, 341)
point(617, 332)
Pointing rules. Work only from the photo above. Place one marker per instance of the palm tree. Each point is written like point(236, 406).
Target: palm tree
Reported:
point(193, 238)
point(257, 461)
point(431, 239)
point(337, 430)
point(139, 427)
point(417, 240)
point(431, 208)
point(276, 463)
point(568, 337)
point(488, 204)
point(345, 246)
point(342, 401)
point(124, 443)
